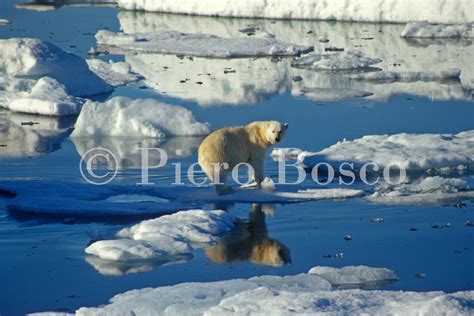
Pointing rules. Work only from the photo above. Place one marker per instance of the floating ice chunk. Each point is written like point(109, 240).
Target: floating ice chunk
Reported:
point(36, 58)
point(200, 45)
point(164, 236)
point(285, 153)
point(414, 152)
point(409, 76)
point(455, 11)
point(331, 94)
point(360, 276)
point(133, 118)
point(47, 97)
point(4, 22)
point(428, 30)
point(115, 74)
point(430, 190)
point(274, 295)
point(338, 61)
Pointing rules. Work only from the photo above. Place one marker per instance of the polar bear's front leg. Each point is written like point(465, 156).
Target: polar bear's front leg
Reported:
point(258, 171)
point(221, 186)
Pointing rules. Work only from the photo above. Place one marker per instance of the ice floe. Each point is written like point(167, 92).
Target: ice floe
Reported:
point(414, 152)
point(25, 135)
point(269, 295)
point(440, 11)
point(428, 30)
point(430, 190)
point(135, 118)
point(87, 200)
point(409, 76)
point(47, 97)
point(34, 58)
point(4, 22)
point(115, 74)
point(200, 45)
point(347, 60)
point(330, 94)
point(355, 276)
point(165, 236)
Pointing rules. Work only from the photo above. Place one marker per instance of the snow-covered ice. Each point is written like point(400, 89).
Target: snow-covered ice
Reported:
point(200, 45)
point(330, 94)
point(409, 76)
point(428, 30)
point(47, 97)
point(114, 73)
point(414, 152)
point(440, 11)
point(125, 117)
point(4, 22)
point(288, 153)
point(34, 58)
point(355, 276)
point(165, 236)
point(347, 60)
point(86, 200)
point(430, 190)
point(305, 293)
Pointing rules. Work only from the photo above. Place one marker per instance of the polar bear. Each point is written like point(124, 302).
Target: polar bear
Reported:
point(225, 148)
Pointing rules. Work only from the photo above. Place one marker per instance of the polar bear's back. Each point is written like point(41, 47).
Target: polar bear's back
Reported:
point(230, 145)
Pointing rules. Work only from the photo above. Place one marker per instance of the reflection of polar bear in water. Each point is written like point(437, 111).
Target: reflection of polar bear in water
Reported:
point(227, 147)
point(250, 242)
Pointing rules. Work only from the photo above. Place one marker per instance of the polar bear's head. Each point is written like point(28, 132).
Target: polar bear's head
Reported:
point(275, 131)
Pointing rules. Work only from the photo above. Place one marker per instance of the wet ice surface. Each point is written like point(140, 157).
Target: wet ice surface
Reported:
point(428, 247)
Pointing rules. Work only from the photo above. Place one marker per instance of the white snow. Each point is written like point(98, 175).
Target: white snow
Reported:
point(330, 94)
point(115, 74)
point(34, 58)
point(275, 295)
point(47, 97)
point(125, 117)
point(346, 60)
point(200, 45)
point(414, 152)
point(430, 190)
point(440, 11)
point(354, 275)
point(428, 30)
point(164, 236)
point(409, 76)
point(288, 153)
point(85, 200)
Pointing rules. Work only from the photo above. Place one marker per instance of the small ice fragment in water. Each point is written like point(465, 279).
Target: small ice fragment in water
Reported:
point(469, 223)
point(413, 229)
point(93, 52)
point(377, 220)
point(420, 275)
point(439, 226)
point(348, 237)
point(339, 255)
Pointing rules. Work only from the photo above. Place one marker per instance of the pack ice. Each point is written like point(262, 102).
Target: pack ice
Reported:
point(199, 45)
point(438, 11)
point(305, 293)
